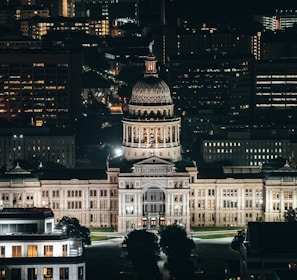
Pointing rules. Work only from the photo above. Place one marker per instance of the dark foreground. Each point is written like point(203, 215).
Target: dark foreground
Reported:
point(104, 261)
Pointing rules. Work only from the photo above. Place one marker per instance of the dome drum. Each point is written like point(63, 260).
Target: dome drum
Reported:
point(154, 111)
point(172, 153)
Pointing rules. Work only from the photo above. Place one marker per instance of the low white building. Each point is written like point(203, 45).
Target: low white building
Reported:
point(31, 250)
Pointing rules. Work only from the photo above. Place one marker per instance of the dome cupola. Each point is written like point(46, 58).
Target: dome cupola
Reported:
point(151, 89)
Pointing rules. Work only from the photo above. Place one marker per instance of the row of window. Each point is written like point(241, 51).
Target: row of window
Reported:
point(47, 273)
point(78, 193)
point(235, 144)
point(247, 156)
point(227, 192)
point(32, 251)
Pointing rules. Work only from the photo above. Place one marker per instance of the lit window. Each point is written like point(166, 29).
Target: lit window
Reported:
point(48, 250)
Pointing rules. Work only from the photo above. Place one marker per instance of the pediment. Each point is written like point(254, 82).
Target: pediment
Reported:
point(154, 166)
point(153, 160)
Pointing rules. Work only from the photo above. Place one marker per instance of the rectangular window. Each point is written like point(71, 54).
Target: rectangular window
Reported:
point(16, 274)
point(103, 205)
point(16, 251)
point(93, 193)
point(3, 273)
point(48, 273)
point(2, 252)
point(80, 272)
point(103, 192)
point(288, 195)
point(211, 204)
point(248, 192)
point(56, 193)
point(48, 250)
point(32, 251)
point(64, 250)
point(248, 203)
point(113, 193)
point(64, 273)
point(275, 194)
point(93, 204)
point(44, 193)
point(56, 205)
point(29, 196)
point(32, 273)
point(211, 192)
point(200, 192)
point(275, 206)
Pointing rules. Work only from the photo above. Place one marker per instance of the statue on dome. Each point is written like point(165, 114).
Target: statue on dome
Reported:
point(150, 47)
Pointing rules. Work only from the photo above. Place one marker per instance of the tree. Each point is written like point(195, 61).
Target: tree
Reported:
point(237, 240)
point(143, 251)
point(73, 229)
point(178, 248)
point(291, 215)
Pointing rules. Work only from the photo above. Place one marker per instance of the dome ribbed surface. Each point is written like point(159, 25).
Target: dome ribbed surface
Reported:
point(151, 90)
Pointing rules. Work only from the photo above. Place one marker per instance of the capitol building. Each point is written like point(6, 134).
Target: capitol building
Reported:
point(151, 184)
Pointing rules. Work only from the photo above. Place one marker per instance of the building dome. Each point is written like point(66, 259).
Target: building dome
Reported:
point(151, 90)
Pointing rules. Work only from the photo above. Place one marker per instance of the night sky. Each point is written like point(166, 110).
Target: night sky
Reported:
point(233, 6)
point(195, 9)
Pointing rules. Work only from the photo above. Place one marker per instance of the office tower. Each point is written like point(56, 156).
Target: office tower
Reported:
point(276, 95)
point(282, 19)
point(216, 86)
point(40, 87)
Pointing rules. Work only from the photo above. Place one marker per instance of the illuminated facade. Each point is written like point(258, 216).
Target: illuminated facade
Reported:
point(151, 127)
point(36, 28)
point(40, 86)
point(37, 145)
point(280, 20)
point(215, 86)
point(245, 152)
point(31, 249)
point(276, 94)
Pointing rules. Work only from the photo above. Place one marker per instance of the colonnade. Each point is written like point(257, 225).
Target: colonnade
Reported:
point(168, 133)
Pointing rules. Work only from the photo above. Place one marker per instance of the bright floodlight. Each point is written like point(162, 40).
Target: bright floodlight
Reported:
point(118, 152)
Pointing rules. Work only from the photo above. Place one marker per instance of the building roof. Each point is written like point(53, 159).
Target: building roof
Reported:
point(26, 213)
point(72, 173)
point(272, 238)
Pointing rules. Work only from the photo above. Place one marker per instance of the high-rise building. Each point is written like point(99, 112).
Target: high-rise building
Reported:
point(280, 20)
point(216, 86)
point(42, 86)
point(276, 94)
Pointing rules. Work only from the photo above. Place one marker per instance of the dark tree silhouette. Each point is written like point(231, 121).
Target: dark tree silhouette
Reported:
point(178, 249)
point(143, 251)
point(237, 240)
point(291, 215)
point(73, 229)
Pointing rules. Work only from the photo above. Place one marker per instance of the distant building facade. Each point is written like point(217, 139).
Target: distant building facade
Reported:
point(40, 85)
point(280, 20)
point(37, 145)
point(245, 152)
point(276, 94)
point(214, 86)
